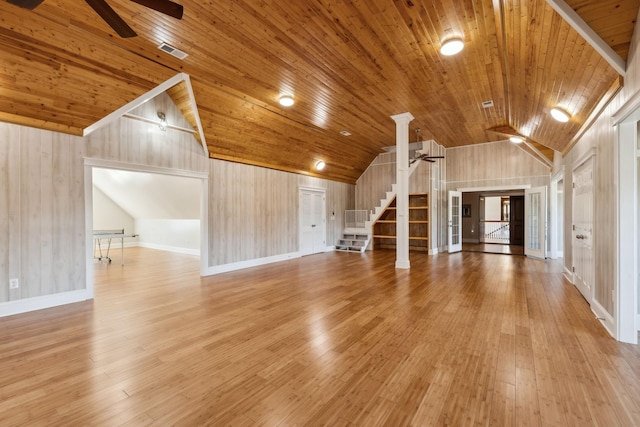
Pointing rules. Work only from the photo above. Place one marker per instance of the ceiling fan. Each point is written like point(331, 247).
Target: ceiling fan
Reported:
point(425, 157)
point(111, 17)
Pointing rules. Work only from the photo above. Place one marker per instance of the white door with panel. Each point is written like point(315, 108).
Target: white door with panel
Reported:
point(312, 222)
point(455, 221)
point(535, 222)
point(583, 268)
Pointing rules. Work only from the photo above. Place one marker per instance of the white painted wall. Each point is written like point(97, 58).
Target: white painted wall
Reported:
point(150, 195)
point(492, 208)
point(174, 235)
point(108, 215)
point(163, 210)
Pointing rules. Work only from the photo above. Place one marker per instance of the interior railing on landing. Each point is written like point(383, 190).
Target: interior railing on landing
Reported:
point(355, 218)
point(494, 232)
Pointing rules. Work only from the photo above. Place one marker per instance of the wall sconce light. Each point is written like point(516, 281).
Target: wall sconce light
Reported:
point(452, 46)
point(163, 121)
point(320, 165)
point(286, 100)
point(560, 115)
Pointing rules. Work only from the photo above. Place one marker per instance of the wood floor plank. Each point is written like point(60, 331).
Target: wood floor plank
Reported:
point(329, 339)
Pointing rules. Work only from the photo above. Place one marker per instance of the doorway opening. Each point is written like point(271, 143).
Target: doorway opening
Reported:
point(167, 209)
point(493, 221)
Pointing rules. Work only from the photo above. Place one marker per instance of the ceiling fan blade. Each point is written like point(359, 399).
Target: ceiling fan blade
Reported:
point(434, 157)
point(27, 4)
point(163, 6)
point(112, 18)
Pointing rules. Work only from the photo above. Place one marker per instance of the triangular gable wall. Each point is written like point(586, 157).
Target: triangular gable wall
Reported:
point(180, 91)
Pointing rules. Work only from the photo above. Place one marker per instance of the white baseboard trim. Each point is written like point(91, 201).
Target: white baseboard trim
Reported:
point(433, 251)
point(169, 248)
point(225, 268)
point(330, 249)
point(568, 274)
point(604, 317)
point(26, 305)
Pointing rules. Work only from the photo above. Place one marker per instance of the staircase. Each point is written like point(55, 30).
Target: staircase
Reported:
point(360, 239)
point(353, 242)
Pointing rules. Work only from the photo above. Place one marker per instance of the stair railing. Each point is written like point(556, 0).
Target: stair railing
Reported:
point(495, 231)
point(355, 218)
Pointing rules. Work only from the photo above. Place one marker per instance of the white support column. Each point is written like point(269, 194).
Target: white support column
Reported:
point(402, 189)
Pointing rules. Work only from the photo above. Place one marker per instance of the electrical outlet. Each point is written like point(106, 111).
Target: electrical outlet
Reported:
point(14, 283)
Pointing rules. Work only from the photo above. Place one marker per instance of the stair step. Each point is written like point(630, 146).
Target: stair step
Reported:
point(353, 242)
point(351, 236)
point(358, 243)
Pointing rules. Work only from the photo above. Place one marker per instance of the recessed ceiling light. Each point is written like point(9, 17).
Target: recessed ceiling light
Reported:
point(452, 46)
point(560, 115)
point(320, 165)
point(286, 100)
point(516, 139)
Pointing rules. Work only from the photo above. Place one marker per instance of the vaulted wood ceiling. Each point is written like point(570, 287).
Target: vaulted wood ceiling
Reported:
point(349, 64)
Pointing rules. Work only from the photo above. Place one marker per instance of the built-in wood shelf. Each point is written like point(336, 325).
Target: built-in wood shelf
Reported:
point(384, 229)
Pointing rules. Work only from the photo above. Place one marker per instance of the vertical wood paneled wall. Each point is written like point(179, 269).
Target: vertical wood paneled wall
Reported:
point(602, 138)
point(375, 181)
point(492, 165)
point(137, 142)
point(42, 240)
point(253, 211)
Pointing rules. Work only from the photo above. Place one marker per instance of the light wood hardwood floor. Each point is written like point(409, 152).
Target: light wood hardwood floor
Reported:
point(330, 339)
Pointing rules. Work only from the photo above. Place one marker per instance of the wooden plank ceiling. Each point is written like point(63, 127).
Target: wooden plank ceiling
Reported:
point(349, 64)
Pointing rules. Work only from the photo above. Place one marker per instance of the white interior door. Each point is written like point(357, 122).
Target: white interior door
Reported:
point(455, 221)
point(583, 275)
point(312, 222)
point(535, 222)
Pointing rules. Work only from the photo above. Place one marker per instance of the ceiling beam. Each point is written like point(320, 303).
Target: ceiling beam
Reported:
point(578, 24)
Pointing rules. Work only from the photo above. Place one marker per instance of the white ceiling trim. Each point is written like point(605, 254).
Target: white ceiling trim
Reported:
point(538, 155)
point(589, 35)
point(161, 88)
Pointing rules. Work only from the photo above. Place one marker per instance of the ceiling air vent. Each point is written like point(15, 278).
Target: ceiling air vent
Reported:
point(487, 104)
point(173, 51)
point(345, 133)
